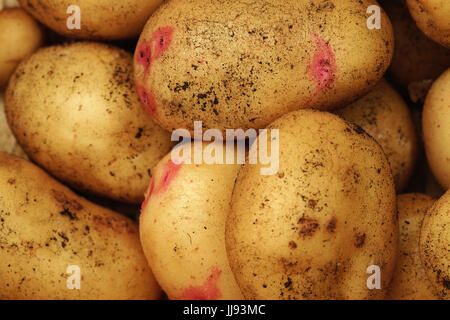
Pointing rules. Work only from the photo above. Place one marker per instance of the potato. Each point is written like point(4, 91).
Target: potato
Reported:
point(8, 142)
point(75, 111)
point(433, 18)
point(436, 128)
point(435, 244)
point(45, 228)
point(385, 116)
point(417, 60)
point(315, 229)
point(20, 35)
point(242, 64)
point(182, 228)
point(99, 19)
point(409, 281)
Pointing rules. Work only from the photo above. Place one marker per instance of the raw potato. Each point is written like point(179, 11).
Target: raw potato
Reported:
point(436, 129)
point(313, 230)
point(75, 111)
point(433, 18)
point(385, 116)
point(409, 281)
point(99, 19)
point(45, 228)
point(435, 244)
point(20, 36)
point(182, 228)
point(417, 60)
point(242, 64)
point(8, 142)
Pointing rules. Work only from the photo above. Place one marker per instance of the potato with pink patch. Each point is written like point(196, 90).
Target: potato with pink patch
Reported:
point(182, 227)
point(242, 64)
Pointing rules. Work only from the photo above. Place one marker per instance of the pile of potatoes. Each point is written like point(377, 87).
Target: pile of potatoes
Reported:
point(356, 116)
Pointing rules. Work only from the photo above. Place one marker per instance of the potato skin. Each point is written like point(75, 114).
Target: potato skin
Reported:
point(312, 230)
point(417, 60)
point(45, 227)
point(435, 243)
point(436, 128)
point(75, 111)
point(432, 17)
point(182, 229)
point(385, 116)
point(242, 64)
point(20, 35)
point(409, 281)
point(100, 19)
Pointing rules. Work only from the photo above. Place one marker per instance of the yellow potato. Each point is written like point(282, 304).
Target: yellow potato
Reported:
point(315, 229)
point(99, 19)
point(243, 64)
point(409, 281)
point(436, 129)
point(20, 36)
point(75, 111)
point(417, 60)
point(433, 18)
point(385, 116)
point(182, 228)
point(45, 228)
point(435, 244)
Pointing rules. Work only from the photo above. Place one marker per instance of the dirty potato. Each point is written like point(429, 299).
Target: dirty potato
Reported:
point(417, 60)
point(99, 19)
point(316, 228)
point(75, 111)
point(433, 18)
point(385, 116)
point(435, 244)
point(242, 64)
point(46, 230)
point(409, 281)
